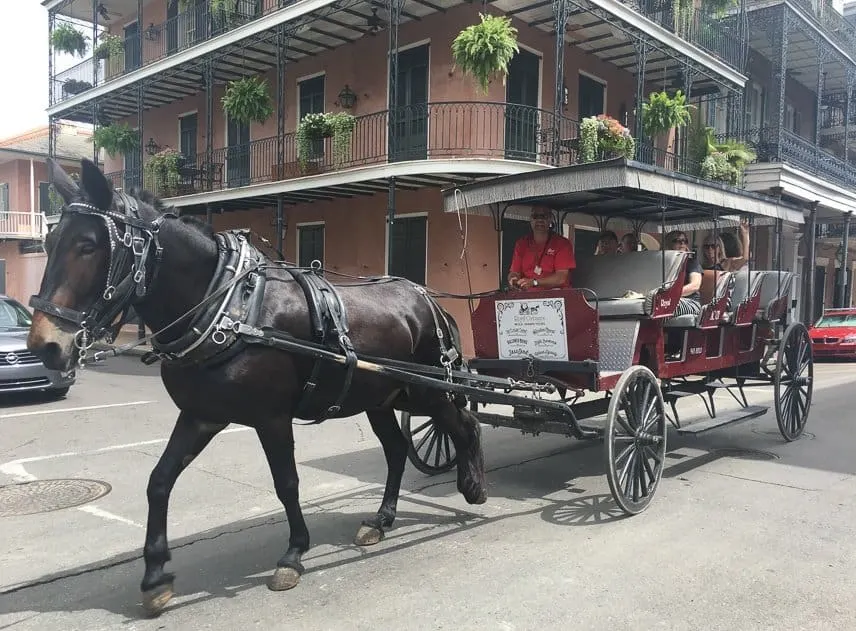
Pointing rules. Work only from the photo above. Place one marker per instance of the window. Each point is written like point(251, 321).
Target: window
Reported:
point(4, 197)
point(187, 127)
point(45, 198)
point(311, 97)
point(408, 245)
point(310, 245)
point(13, 315)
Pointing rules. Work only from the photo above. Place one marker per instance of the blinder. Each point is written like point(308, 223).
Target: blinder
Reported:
point(126, 283)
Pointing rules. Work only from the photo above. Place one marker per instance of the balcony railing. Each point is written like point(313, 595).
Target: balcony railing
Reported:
point(832, 23)
point(802, 154)
point(718, 36)
point(22, 225)
point(832, 115)
point(196, 24)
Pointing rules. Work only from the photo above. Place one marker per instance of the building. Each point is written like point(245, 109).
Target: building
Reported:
point(26, 199)
point(367, 200)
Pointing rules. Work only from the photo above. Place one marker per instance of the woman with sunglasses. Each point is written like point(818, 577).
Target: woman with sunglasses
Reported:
point(714, 256)
point(691, 294)
point(542, 259)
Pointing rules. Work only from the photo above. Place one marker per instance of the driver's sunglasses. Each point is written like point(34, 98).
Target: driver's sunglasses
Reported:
point(680, 240)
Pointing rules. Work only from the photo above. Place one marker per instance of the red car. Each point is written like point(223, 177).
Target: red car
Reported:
point(834, 334)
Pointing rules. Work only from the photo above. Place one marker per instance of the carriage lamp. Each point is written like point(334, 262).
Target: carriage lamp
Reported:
point(152, 32)
point(347, 98)
point(152, 147)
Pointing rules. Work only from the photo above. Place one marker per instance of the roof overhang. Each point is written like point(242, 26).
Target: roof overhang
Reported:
point(18, 154)
point(626, 192)
point(833, 201)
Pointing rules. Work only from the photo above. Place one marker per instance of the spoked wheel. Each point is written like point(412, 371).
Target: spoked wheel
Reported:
point(793, 381)
point(430, 448)
point(635, 439)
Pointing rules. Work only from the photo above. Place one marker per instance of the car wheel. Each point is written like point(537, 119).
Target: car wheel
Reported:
point(59, 393)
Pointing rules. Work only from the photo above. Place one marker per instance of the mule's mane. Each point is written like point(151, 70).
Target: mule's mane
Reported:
point(149, 198)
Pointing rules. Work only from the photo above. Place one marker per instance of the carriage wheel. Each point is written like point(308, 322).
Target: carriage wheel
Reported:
point(635, 439)
point(429, 447)
point(793, 381)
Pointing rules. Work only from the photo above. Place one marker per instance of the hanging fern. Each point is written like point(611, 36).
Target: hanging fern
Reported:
point(660, 113)
point(116, 138)
point(484, 50)
point(248, 100)
point(67, 39)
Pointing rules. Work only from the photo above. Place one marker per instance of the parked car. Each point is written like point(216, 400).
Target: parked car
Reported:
point(834, 334)
point(20, 370)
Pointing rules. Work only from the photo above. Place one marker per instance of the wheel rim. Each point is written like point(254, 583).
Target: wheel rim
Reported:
point(635, 440)
point(430, 449)
point(794, 382)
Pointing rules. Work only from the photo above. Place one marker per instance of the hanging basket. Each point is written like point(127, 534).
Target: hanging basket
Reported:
point(116, 138)
point(67, 39)
point(484, 50)
point(248, 100)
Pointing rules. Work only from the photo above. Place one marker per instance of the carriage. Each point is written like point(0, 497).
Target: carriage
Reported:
point(595, 361)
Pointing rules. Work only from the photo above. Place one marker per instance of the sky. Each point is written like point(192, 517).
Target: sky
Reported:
point(24, 51)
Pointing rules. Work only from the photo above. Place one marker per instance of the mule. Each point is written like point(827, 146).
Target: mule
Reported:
point(112, 249)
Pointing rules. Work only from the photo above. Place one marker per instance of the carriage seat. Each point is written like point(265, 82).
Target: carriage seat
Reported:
point(746, 287)
point(715, 286)
point(774, 285)
point(612, 277)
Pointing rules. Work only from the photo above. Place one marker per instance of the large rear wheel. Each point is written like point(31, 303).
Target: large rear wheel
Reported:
point(635, 439)
point(430, 448)
point(793, 381)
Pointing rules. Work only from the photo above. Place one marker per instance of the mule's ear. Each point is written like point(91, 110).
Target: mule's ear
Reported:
point(98, 188)
point(64, 185)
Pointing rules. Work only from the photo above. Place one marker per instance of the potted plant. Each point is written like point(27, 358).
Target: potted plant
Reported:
point(341, 127)
point(116, 138)
point(603, 137)
point(484, 50)
point(661, 116)
point(311, 131)
point(248, 100)
point(714, 160)
point(75, 86)
point(67, 39)
point(162, 174)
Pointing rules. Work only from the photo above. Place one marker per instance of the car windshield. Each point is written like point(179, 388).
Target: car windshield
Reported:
point(13, 315)
point(836, 320)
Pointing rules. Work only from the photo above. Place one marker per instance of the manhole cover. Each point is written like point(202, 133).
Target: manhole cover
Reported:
point(736, 452)
point(776, 433)
point(43, 496)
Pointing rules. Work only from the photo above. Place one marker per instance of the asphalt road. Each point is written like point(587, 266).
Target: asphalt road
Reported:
point(734, 540)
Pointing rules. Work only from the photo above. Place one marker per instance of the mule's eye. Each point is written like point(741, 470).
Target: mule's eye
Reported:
point(85, 248)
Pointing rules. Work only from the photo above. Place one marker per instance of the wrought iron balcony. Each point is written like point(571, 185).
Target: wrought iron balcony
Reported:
point(199, 22)
point(832, 112)
point(720, 36)
point(22, 225)
point(831, 22)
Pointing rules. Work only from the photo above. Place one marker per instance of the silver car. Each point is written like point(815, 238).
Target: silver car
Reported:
point(20, 370)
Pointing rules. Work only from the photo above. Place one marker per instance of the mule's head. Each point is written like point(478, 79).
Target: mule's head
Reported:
point(75, 277)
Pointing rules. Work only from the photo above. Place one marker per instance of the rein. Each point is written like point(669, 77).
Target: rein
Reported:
point(126, 283)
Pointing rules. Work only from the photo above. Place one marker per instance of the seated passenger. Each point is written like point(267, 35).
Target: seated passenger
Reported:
point(713, 251)
point(542, 259)
point(629, 243)
point(690, 295)
point(607, 243)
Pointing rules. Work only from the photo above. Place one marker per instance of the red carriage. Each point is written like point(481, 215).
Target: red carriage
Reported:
point(609, 333)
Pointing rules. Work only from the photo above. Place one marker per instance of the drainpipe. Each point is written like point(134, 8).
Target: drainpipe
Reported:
point(32, 198)
point(843, 299)
point(810, 236)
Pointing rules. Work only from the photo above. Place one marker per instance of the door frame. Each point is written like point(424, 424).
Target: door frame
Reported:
point(406, 47)
point(540, 93)
point(226, 144)
point(308, 224)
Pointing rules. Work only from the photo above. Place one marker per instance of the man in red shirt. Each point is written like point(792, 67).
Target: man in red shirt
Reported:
point(543, 259)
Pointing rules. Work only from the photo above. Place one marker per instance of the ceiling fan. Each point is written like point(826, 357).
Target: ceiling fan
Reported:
point(105, 13)
point(374, 21)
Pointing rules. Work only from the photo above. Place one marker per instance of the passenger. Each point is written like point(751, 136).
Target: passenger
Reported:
point(690, 296)
point(629, 243)
point(607, 243)
point(543, 259)
point(714, 256)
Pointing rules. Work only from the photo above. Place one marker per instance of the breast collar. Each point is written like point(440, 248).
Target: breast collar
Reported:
point(133, 241)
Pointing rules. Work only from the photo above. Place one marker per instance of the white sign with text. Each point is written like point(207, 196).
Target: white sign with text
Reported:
point(534, 328)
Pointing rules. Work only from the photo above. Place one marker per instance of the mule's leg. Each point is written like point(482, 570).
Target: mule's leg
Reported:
point(463, 427)
point(189, 438)
point(385, 426)
point(277, 439)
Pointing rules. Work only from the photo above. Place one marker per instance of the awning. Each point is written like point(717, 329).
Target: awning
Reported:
point(633, 194)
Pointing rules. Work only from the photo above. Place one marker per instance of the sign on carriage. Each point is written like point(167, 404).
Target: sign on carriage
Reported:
point(532, 328)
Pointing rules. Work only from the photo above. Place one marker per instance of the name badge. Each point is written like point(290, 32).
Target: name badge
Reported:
point(538, 270)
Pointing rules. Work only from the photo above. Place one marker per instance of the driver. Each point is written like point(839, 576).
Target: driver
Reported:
point(542, 259)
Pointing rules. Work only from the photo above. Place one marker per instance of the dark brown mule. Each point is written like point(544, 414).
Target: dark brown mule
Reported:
point(259, 387)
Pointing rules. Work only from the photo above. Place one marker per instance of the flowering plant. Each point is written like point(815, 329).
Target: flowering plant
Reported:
point(603, 134)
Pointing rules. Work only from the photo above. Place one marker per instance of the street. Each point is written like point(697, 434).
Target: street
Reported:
point(746, 531)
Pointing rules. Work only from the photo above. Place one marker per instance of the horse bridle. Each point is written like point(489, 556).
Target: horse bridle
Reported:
point(126, 282)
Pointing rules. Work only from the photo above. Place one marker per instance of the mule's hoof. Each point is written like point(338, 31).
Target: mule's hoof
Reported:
point(155, 600)
point(284, 578)
point(368, 536)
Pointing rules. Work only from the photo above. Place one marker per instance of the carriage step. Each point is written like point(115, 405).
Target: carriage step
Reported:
point(679, 394)
point(743, 414)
